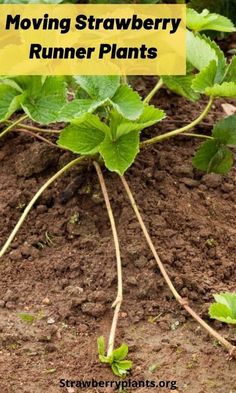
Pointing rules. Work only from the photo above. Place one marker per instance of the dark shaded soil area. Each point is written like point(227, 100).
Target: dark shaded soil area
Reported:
point(61, 267)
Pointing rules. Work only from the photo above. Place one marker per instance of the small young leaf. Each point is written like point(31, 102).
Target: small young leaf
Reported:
point(224, 309)
point(99, 87)
point(226, 89)
point(127, 102)
point(229, 300)
point(104, 359)
point(149, 117)
point(181, 85)
point(208, 21)
point(124, 364)
point(225, 131)
point(117, 371)
point(84, 135)
point(120, 154)
point(121, 352)
point(101, 345)
point(221, 313)
point(213, 157)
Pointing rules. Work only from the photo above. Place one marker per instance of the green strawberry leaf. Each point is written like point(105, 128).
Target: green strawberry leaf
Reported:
point(101, 345)
point(205, 78)
point(149, 117)
point(226, 89)
point(181, 85)
point(118, 372)
point(127, 102)
point(105, 359)
point(231, 71)
point(42, 103)
point(32, 83)
point(9, 101)
point(99, 88)
point(224, 309)
point(199, 51)
point(121, 368)
point(213, 157)
point(121, 352)
point(221, 313)
point(208, 21)
point(211, 64)
point(225, 131)
point(119, 154)
point(124, 364)
point(221, 63)
point(229, 300)
point(76, 108)
point(84, 136)
point(10, 82)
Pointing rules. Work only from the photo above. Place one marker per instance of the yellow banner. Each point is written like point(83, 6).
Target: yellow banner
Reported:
point(92, 39)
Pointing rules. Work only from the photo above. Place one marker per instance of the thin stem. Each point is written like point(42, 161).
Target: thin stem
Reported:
point(154, 91)
point(124, 79)
point(41, 138)
point(34, 199)
point(201, 136)
point(204, 124)
point(12, 125)
point(119, 297)
point(231, 348)
point(161, 267)
point(170, 134)
point(36, 129)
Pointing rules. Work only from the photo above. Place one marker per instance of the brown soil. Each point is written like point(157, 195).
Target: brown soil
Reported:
point(61, 267)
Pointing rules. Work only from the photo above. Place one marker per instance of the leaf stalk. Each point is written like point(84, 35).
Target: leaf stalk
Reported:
point(155, 89)
point(12, 125)
point(170, 134)
point(35, 129)
point(40, 137)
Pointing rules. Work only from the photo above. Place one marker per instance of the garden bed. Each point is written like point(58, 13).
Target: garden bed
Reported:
point(61, 268)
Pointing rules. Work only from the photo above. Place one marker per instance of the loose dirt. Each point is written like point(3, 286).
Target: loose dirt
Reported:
point(61, 267)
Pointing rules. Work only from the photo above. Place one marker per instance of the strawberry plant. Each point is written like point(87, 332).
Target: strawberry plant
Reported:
point(104, 120)
point(117, 359)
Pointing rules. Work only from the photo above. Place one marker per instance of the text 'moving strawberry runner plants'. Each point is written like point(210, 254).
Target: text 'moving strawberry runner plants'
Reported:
point(104, 120)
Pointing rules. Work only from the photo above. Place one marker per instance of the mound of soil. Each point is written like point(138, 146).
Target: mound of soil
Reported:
point(61, 268)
